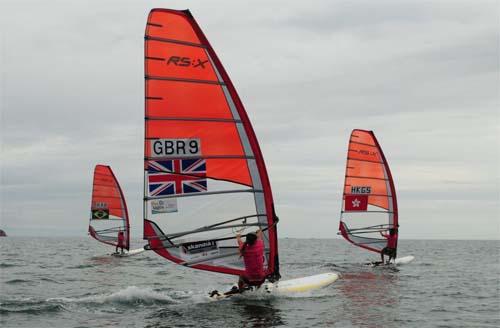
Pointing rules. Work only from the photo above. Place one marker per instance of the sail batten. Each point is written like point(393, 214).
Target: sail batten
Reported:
point(208, 119)
point(369, 205)
point(366, 177)
point(363, 160)
point(207, 193)
point(362, 143)
point(152, 38)
point(229, 157)
point(199, 152)
point(177, 79)
point(366, 211)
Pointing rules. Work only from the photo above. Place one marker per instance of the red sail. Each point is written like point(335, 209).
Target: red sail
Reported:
point(108, 210)
point(369, 205)
point(204, 175)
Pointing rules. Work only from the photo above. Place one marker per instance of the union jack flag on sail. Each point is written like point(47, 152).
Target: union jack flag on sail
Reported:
point(177, 176)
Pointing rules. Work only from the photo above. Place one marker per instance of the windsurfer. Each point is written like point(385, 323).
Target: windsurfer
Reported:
point(121, 242)
point(252, 251)
point(390, 249)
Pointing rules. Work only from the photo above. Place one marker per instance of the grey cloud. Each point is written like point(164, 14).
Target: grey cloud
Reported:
point(423, 76)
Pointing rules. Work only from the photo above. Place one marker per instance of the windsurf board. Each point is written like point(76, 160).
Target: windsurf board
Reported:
point(399, 261)
point(297, 285)
point(129, 253)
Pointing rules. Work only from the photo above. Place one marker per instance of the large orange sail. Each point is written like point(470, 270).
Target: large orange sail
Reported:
point(369, 205)
point(108, 210)
point(204, 175)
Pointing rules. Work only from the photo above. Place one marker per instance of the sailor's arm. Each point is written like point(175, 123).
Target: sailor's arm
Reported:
point(238, 239)
point(259, 233)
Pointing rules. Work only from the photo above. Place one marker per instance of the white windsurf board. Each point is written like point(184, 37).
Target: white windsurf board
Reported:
point(399, 261)
point(129, 253)
point(404, 260)
point(296, 285)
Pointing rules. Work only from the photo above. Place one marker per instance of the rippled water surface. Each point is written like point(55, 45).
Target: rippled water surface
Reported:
point(72, 282)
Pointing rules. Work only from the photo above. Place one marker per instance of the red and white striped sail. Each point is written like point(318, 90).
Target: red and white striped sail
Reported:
point(108, 210)
point(369, 204)
point(204, 175)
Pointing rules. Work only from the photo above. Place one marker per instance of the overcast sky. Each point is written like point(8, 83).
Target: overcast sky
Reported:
point(424, 76)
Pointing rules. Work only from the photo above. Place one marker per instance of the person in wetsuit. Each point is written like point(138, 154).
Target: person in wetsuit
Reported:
point(121, 242)
point(252, 251)
point(390, 249)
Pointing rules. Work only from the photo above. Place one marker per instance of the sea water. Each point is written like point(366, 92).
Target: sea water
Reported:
point(73, 282)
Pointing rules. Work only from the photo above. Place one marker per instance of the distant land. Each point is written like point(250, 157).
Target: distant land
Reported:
point(2, 233)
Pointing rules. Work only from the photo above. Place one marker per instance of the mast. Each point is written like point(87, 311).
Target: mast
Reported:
point(395, 222)
point(125, 212)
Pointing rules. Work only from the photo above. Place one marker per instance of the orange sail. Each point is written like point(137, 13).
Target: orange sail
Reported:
point(205, 179)
point(369, 205)
point(108, 208)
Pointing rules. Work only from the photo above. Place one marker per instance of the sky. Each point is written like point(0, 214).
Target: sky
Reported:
point(423, 75)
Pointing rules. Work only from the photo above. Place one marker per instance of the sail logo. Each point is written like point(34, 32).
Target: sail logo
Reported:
point(168, 205)
point(196, 251)
point(186, 62)
point(199, 247)
point(361, 190)
point(368, 152)
point(175, 148)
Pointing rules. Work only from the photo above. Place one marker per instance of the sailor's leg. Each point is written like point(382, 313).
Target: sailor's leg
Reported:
point(392, 255)
point(241, 283)
point(234, 290)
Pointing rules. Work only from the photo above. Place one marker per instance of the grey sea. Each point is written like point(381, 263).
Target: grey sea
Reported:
point(72, 282)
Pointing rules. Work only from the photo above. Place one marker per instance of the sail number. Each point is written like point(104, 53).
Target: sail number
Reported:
point(100, 205)
point(361, 189)
point(175, 147)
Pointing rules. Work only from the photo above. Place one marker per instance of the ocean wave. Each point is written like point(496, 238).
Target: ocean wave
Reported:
point(52, 280)
point(129, 295)
point(18, 281)
point(29, 306)
point(81, 266)
point(9, 265)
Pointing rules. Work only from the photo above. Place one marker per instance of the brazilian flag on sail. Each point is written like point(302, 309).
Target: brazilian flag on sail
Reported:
point(100, 214)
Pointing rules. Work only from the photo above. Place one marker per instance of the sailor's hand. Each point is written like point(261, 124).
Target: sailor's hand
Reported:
point(238, 240)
